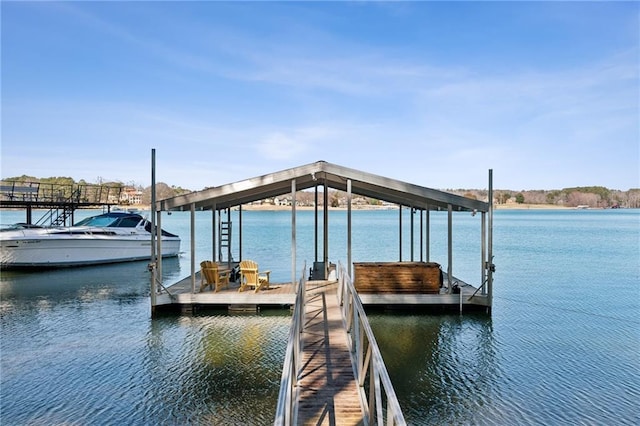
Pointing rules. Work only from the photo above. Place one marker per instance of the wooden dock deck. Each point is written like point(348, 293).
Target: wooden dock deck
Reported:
point(278, 294)
point(327, 389)
point(283, 294)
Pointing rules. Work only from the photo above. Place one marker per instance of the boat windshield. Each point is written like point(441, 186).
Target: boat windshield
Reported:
point(112, 220)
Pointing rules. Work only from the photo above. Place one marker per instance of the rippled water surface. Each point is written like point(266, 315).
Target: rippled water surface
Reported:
point(79, 347)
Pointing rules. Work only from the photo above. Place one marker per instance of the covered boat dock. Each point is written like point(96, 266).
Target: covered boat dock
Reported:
point(410, 289)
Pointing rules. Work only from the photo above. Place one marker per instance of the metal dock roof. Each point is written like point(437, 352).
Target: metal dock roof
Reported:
point(321, 173)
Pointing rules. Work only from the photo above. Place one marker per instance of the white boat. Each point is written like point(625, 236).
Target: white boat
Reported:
point(106, 238)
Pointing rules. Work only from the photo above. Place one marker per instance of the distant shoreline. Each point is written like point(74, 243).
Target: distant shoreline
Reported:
point(269, 207)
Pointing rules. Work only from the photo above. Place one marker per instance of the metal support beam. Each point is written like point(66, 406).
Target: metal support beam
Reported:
point(412, 231)
point(483, 251)
point(428, 234)
point(490, 242)
point(315, 228)
point(450, 245)
point(230, 235)
point(218, 248)
point(293, 231)
point(325, 255)
point(239, 236)
point(214, 224)
point(400, 233)
point(421, 235)
point(153, 229)
point(349, 264)
point(159, 249)
point(193, 247)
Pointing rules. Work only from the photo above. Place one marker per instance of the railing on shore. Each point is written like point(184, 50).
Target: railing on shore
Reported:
point(376, 391)
point(37, 192)
point(287, 398)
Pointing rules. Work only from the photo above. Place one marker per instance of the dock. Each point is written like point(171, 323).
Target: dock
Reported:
point(327, 389)
point(179, 296)
point(225, 202)
point(333, 370)
point(60, 199)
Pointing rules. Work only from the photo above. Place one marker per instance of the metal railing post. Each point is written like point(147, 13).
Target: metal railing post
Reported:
point(368, 360)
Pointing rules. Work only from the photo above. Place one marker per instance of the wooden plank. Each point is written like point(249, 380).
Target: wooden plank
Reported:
point(327, 390)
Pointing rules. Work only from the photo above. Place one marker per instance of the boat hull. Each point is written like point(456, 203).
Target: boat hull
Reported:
point(25, 253)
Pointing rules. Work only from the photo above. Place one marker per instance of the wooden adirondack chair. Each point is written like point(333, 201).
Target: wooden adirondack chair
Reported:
point(212, 275)
point(250, 277)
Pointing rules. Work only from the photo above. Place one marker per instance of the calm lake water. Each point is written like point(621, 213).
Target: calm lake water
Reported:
point(78, 346)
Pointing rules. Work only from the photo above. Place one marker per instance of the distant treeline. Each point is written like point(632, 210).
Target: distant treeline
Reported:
point(591, 196)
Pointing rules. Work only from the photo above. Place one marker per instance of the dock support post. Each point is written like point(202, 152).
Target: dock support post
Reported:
point(239, 237)
point(412, 211)
point(293, 232)
point(421, 235)
point(349, 265)
point(428, 233)
point(450, 245)
point(159, 246)
point(400, 233)
point(315, 228)
point(483, 255)
point(152, 265)
point(490, 242)
point(193, 247)
point(325, 255)
point(214, 244)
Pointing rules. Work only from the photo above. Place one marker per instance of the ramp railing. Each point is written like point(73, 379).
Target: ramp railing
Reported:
point(376, 391)
point(286, 414)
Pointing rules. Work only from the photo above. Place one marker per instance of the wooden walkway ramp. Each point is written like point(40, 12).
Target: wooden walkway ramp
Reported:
point(327, 389)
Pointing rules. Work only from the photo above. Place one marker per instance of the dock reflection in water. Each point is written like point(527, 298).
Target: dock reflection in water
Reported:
point(79, 347)
point(442, 366)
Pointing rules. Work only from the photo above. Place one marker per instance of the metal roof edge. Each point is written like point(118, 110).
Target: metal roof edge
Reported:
point(271, 184)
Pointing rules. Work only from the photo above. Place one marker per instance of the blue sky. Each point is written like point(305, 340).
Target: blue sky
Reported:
point(547, 94)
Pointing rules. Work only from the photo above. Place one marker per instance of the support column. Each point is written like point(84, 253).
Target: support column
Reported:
point(159, 245)
point(400, 233)
point(293, 232)
point(428, 234)
point(325, 255)
point(483, 252)
point(315, 228)
point(490, 242)
point(230, 235)
point(214, 244)
point(193, 247)
point(421, 235)
point(349, 268)
point(153, 231)
point(239, 236)
point(411, 239)
point(450, 245)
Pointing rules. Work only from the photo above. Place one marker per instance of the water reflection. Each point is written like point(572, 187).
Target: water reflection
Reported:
point(441, 366)
point(122, 281)
point(216, 368)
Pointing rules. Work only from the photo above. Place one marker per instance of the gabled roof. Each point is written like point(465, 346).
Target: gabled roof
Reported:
point(310, 175)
